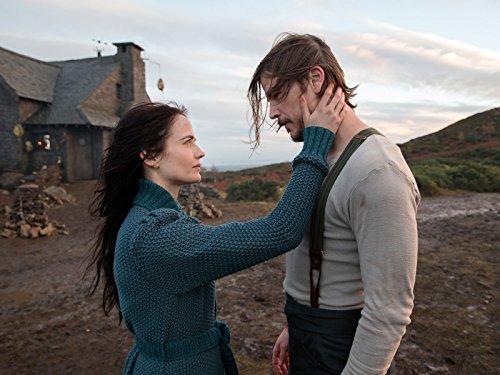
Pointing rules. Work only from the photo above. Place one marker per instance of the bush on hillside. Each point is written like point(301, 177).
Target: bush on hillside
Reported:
point(254, 190)
point(427, 186)
point(436, 176)
point(475, 176)
point(485, 155)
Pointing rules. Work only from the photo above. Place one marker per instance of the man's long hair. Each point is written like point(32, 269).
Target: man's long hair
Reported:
point(289, 61)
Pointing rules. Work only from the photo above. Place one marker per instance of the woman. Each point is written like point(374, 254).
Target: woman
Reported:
point(160, 264)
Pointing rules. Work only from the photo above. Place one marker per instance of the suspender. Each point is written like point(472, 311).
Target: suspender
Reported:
point(318, 217)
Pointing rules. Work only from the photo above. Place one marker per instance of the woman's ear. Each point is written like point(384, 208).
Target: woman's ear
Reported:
point(150, 162)
point(316, 78)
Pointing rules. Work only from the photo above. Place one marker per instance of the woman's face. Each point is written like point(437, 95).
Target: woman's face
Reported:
point(179, 163)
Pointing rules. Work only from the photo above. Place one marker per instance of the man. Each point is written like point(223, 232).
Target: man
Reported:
point(370, 229)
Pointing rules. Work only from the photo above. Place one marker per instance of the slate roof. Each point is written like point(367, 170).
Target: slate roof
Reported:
point(77, 80)
point(28, 77)
point(99, 118)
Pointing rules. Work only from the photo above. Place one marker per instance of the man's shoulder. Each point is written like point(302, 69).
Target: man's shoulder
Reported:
point(375, 152)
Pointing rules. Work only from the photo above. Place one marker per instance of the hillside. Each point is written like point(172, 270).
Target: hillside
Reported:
point(475, 137)
point(462, 156)
point(279, 173)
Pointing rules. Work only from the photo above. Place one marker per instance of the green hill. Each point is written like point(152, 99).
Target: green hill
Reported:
point(462, 156)
point(474, 138)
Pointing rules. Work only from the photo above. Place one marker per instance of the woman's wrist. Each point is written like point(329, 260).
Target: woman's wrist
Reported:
point(317, 141)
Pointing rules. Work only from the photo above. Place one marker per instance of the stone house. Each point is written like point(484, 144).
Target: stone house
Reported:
point(63, 111)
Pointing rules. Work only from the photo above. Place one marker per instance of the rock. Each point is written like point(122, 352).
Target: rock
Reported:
point(34, 232)
point(191, 200)
point(28, 214)
point(24, 230)
point(437, 369)
point(49, 230)
point(9, 180)
point(9, 225)
point(49, 176)
point(64, 232)
point(57, 193)
point(28, 186)
point(210, 211)
point(209, 191)
point(8, 233)
point(7, 210)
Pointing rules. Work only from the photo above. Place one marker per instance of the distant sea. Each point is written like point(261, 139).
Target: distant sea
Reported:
point(234, 167)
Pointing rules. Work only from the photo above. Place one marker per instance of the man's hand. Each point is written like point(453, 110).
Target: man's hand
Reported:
point(281, 361)
point(329, 113)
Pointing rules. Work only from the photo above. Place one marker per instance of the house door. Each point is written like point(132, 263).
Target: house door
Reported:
point(82, 155)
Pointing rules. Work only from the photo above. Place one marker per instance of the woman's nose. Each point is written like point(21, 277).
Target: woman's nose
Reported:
point(199, 153)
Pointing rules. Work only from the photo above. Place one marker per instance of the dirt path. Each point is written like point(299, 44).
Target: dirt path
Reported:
point(50, 327)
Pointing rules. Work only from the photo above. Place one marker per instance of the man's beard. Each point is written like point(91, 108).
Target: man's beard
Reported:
point(299, 137)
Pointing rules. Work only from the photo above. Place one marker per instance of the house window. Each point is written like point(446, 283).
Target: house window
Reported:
point(118, 91)
point(41, 142)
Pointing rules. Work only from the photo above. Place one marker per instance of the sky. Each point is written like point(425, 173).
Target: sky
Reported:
point(420, 66)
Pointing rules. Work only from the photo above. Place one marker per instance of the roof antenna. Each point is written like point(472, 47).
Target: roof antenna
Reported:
point(99, 46)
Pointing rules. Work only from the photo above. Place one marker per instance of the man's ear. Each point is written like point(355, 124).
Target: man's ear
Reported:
point(316, 78)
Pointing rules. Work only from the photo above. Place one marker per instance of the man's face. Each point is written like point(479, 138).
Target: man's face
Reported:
point(286, 110)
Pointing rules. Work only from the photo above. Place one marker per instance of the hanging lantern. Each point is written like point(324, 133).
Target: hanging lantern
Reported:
point(28, 146)
point(160, 85)
point(18, 130)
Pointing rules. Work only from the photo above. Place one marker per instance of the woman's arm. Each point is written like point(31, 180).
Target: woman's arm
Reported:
point(184, 253)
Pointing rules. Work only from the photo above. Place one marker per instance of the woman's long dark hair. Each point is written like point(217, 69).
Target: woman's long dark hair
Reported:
point(143, 128)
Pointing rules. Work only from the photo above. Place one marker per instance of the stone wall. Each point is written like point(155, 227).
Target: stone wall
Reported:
point(192, 202)
point(10, 146)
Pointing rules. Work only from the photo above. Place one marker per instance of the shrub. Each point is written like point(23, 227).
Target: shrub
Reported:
point(254, 190)
point(475, 176)
point(426, 185)
point(435, 176)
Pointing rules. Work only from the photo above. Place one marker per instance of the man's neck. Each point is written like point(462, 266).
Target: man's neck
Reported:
point(351, 125)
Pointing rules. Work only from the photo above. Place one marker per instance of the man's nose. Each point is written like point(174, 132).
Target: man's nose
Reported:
point(273, 111)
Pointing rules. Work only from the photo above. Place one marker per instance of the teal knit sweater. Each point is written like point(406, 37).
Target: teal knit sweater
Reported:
point(166, 263)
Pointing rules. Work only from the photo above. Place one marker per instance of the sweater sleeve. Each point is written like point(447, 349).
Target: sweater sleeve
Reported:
point(182, 254)
point(383, 213)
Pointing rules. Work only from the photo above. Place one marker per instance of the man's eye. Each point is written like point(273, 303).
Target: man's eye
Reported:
point(277, 98)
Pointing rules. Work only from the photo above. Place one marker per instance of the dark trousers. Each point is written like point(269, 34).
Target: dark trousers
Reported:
point(320, 340)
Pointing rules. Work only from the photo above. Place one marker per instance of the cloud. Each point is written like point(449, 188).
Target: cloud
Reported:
point(411, 83)
point(402, 58)
point(401, 122)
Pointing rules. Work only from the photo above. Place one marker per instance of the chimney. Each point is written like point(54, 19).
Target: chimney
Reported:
point(133, 81)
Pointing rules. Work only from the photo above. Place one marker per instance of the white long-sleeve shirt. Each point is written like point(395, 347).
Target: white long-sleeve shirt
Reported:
point(370, 257)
